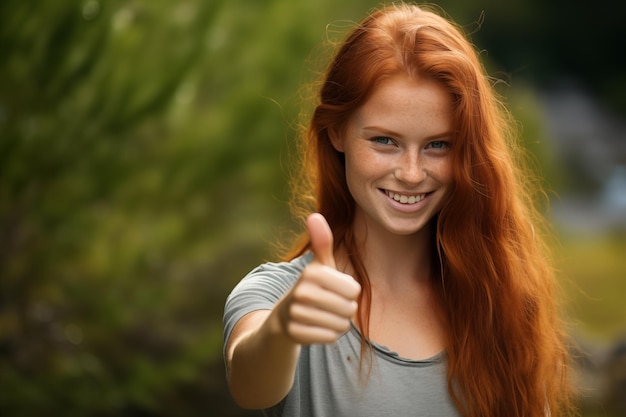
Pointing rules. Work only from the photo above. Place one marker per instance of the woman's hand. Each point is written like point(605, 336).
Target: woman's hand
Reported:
point(320, 305)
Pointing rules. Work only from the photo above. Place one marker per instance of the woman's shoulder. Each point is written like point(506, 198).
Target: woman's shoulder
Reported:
point(285, 268)
point(273, 277)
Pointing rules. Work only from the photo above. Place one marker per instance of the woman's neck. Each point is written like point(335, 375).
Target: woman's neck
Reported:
point(392, 261)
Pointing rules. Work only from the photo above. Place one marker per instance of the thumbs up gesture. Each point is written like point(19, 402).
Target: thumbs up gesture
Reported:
point(319, 306)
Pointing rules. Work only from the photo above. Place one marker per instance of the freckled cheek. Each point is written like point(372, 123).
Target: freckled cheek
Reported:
point(445, 176)
point(442, 170)
point(364, 168)
point(366, 165)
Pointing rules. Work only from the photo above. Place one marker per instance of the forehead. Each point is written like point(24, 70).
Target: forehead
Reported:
point(408, 103)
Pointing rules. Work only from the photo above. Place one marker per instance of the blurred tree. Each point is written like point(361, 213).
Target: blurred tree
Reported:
point(97, 306)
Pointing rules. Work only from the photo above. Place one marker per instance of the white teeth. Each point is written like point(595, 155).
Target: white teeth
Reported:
point(405, 199)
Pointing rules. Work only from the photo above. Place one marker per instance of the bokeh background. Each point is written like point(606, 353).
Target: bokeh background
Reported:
point(144, 152)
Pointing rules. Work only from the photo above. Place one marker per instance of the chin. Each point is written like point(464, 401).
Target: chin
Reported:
point(408, 228)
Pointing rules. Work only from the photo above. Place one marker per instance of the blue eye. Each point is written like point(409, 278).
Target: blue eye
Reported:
point(383, 140)
point(438, 144)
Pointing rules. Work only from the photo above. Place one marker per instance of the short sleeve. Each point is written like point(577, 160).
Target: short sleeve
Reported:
point(260, 290)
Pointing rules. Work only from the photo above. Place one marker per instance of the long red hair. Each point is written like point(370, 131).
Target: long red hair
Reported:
point(507, 352)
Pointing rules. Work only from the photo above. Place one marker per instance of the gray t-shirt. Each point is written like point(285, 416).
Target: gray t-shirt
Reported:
point(328, 382)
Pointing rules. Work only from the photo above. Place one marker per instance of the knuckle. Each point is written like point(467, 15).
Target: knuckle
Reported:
point(354, 307)
point(342, 326)
point(296, 312)
point(311, 271)
point(303, 293)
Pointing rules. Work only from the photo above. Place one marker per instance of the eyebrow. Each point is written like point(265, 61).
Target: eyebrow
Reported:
point(386, 131)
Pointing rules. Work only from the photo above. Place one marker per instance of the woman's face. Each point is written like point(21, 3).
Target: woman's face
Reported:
point(398, 155)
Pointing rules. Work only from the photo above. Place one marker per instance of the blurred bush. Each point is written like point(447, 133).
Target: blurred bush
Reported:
point(140, 156)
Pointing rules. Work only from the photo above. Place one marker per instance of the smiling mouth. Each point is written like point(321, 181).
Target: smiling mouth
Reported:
point(405, 199)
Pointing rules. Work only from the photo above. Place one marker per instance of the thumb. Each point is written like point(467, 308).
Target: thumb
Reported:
point(321, 239)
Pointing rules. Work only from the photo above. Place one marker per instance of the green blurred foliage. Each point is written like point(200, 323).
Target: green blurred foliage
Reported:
point(595, 269)
point(102, 231)
point(144, 147)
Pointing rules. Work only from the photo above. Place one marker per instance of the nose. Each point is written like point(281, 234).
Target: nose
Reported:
point(410, 169)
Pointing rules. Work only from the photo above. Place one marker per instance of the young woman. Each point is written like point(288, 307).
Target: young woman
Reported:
point(421, 286)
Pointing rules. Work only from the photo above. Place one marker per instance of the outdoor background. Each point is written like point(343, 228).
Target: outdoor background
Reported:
point(144, 151)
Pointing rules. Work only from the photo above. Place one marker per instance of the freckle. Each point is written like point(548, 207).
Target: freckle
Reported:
point(349, 359)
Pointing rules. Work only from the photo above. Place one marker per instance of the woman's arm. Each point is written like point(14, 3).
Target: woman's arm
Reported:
point(264, 346)
point(260, 361)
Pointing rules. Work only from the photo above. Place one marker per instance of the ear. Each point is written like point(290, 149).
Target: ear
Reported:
point(337, 140)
